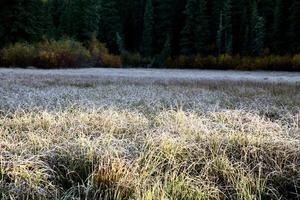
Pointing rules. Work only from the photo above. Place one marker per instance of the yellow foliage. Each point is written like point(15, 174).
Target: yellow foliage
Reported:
point(62, 53)
point(132, 59)
point(296, 61)
point(18, 54)
point(225, 61)
point(96, 48)
point(110, 60)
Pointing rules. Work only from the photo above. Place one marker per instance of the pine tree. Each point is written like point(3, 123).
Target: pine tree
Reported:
point(80, 19)
point(147, 46)
point(110, 23)
point(164, 13)
point(132, 20)
point(46, 18)
point(202, 29)
point(246, 31)
point(224, 34)
point(295, 26)
point(193, 26)
point(66, 25)
point(86, 19)
point(120, 43)
point(266, 10)
point(21, 20)
point(159, 60)
point(195, 32)
point(220, 34)
point(214, 20)
point(188, 34)
point(55, 10)
point(257, 31)
point(166, 52)
point(227, 26)
point(239, 23)
point(277, 26)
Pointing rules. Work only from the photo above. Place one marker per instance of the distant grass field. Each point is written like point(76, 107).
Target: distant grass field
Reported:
point(88, 137)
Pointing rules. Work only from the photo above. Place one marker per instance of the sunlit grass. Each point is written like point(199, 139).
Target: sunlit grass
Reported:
point(201, 142)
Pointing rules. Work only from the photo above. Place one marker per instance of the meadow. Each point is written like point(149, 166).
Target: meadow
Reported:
point(68, 135)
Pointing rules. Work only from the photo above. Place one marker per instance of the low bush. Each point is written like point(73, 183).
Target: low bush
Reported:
point(296, 62)
point(67, 53)
point(131, 59)
point(225, 61)
point(181, 61)
point(280, 62)
point(270, 62)
point(62, 53)
point(18, 55)
point(202, 62)
point(100, 56)
point(109, 60)
point(97, 50)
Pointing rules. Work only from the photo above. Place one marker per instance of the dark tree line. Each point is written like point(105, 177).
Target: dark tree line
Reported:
point(155, 27)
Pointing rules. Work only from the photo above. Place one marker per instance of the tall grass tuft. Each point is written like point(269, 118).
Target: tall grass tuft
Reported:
point(173, 154)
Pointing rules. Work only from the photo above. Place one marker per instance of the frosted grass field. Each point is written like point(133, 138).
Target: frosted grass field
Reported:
point(149, 134)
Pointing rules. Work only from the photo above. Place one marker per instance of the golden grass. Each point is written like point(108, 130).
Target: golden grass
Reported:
point(71, 137)
point(173, 154)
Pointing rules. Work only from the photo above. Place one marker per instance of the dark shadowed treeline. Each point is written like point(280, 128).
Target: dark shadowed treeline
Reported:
point(159, 28)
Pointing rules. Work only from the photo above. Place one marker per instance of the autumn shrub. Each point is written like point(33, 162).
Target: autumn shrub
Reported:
point(110, 60)
point(198, 62)
point(209, 62)
point(225, 61)
point(181, 61)
point(146, 61)
point(18, 55)
point(296, 62)
point(100, 56)
point(132, 59)
point(280, 62)
point(97, 50)
point(169, 62)
point(63, 53)
point(66, 53)
point(260, 63)
point(192, 62)
point(246, 63)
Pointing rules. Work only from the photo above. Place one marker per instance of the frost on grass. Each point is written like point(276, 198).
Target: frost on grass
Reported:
point(84, 138)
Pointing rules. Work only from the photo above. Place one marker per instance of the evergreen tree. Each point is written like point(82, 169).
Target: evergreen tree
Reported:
point(188, 34)
point(120, 43)
point(277, 33)
point(66, 25)
point(239, 23)
point(110, 23)
point(148, 30)
point(214, 20)
point(192, 26)
point(224, 35)
point(159, 60)
point(227, 26)
point(86, 21)
point(166, 52)
point(46, 20)
point(295, 26)
point(132, 20)
point(257, 31)
point(202, 29)
point(195, 32)
point(21, 20)
point(55, 11)
point(164, 13)
point(266, 10)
